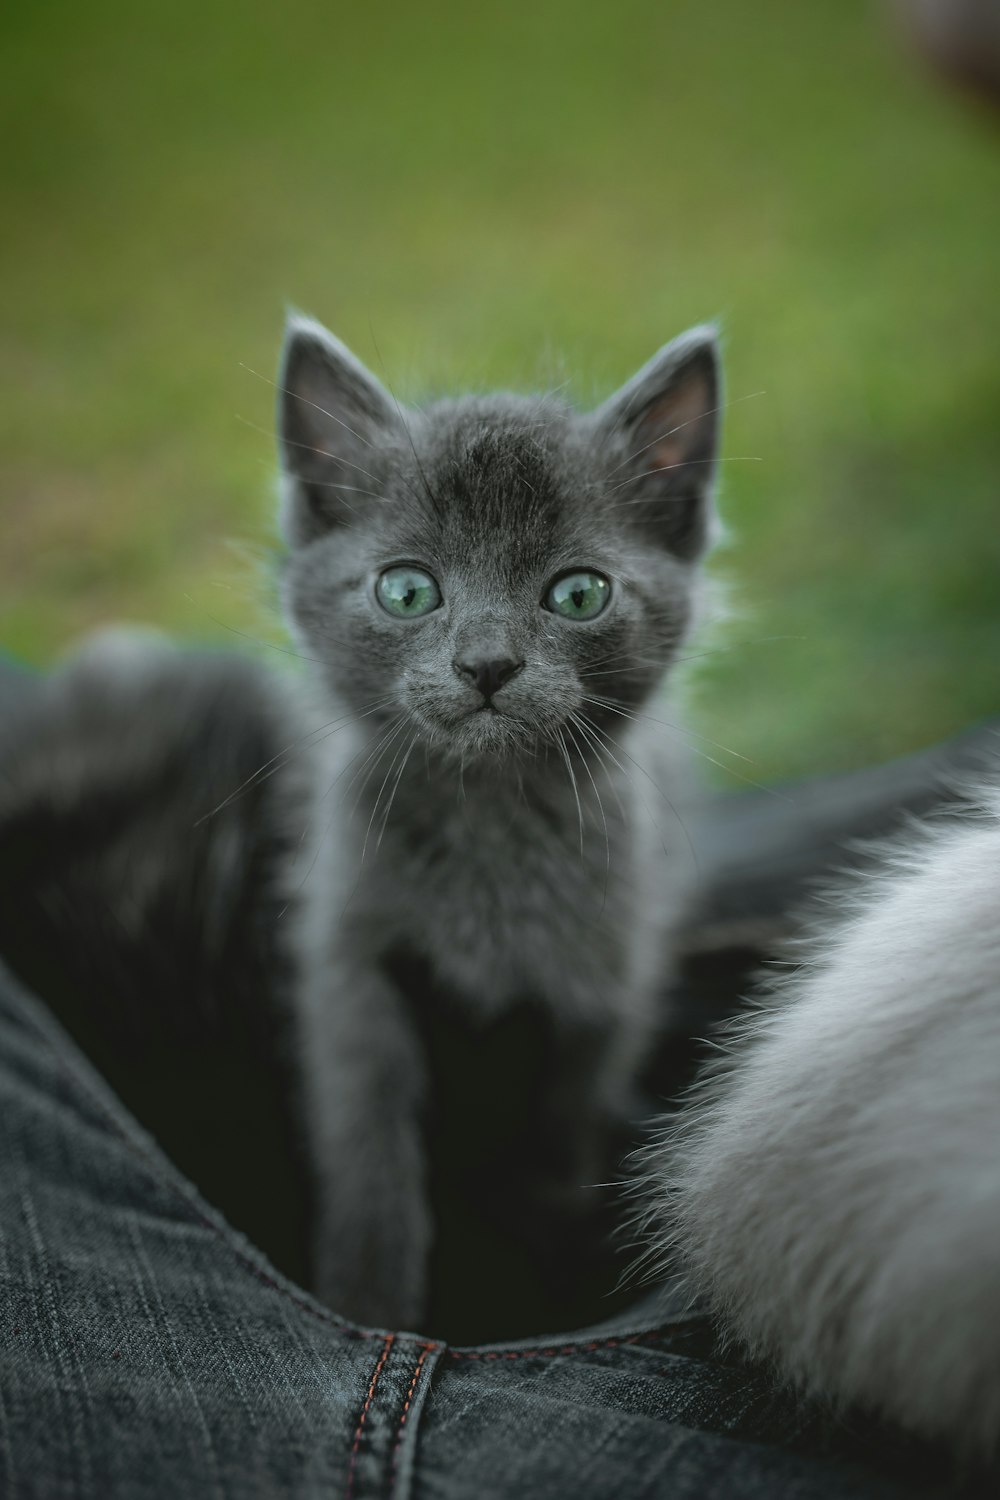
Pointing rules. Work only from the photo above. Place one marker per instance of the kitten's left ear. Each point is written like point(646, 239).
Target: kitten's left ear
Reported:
point(665, 424)
point(333, 416)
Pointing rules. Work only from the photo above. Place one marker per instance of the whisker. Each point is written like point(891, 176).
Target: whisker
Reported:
point(371, 760)
point(321, 733)
point(267, 645)
point(584, 728)
point(329, 822)
point(738, 646)
point(635, 715)
point(604, 821)
point(572, 777)
point(713, 411)
point(395, 789)
point(613, 657)
point(639, 767)
point(690, 734)
point(666, 468)
point(381, 748)
point(639, 666)
point(353, 489)
point(644, 661)
point(626, 654)
point(378, 797)
point(332, 484)
point(284, 391)
point(307, 448)
point(594, 731)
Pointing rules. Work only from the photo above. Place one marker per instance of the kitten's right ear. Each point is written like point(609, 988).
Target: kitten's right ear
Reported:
point(665, 421)
point(333, 416)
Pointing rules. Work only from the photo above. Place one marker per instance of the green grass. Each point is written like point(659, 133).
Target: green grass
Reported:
point(515, 195)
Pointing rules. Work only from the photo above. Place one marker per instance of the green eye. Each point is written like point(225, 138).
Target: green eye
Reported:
point(578, 596)
point(407, 593)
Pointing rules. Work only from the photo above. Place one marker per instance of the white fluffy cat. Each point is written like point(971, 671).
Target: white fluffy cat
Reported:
point(833, 1188)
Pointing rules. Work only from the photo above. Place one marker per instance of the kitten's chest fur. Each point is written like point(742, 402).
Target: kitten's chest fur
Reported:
point(511, 883)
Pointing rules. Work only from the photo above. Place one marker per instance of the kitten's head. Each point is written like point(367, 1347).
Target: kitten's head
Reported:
point(486, 567)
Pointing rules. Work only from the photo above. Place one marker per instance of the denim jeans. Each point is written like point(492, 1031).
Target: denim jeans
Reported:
point(149, 1350)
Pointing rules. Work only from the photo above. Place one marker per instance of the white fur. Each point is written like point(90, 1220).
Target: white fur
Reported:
point(834, 1189)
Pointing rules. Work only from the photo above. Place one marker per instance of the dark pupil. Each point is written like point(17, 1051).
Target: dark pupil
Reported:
point(578, 596)
point(409, 596)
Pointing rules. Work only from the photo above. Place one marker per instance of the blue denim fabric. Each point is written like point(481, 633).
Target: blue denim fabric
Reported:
point(148, 1350)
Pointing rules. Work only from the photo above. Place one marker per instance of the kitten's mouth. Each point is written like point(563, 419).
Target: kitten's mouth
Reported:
point(489, 730)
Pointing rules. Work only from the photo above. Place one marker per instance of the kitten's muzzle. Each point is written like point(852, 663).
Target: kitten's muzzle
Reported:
point(488, 674)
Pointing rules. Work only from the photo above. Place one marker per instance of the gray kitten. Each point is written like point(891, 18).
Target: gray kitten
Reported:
point(833, 1192)
point(492, 590)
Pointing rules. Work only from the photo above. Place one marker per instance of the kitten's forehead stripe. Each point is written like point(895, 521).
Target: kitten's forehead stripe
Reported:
point(510, 477)
point(505, 469)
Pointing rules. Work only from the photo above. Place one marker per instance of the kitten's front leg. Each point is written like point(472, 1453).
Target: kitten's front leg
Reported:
point(364, 1076)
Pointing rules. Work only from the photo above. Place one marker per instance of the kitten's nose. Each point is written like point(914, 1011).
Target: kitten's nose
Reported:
point(488, 674)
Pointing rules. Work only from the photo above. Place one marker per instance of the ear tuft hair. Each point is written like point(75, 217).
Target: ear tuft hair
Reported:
point(665, 422)
point(333, 416)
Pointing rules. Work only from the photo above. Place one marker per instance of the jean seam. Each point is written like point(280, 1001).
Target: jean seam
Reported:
point(359, 1430)
point(404, 1416)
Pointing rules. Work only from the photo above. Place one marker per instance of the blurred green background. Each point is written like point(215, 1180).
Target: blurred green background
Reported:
point(515, 196)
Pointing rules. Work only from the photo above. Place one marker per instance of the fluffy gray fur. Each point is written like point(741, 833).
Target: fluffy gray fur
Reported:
point(531, 848)
point(145, 850)
point(833, 1191)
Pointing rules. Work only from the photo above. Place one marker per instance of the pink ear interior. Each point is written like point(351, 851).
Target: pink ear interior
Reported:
point(677, 427)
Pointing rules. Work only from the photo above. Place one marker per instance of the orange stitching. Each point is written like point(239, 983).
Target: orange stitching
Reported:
point(407, 1404)
point(406, 1409)
point(390, 1340)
